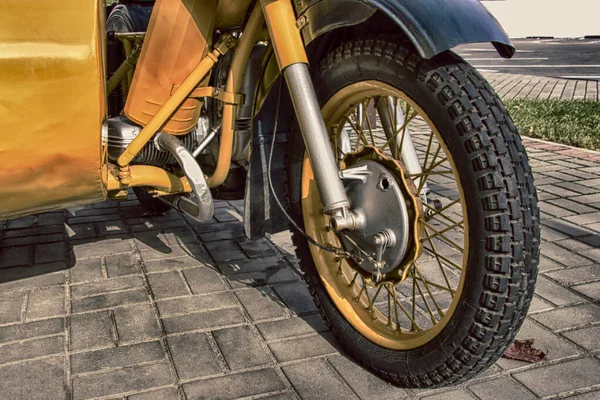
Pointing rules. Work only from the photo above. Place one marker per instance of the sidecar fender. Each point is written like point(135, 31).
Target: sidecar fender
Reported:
point(433, 26)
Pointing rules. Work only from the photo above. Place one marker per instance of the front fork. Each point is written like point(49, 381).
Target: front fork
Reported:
point(293, 62)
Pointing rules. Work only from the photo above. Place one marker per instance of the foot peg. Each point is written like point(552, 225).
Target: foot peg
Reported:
point(201, 207)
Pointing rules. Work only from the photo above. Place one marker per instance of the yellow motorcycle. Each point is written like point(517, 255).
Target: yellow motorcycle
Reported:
point(404, 179)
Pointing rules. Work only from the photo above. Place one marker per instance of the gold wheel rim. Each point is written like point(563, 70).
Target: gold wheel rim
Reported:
point(397, 325)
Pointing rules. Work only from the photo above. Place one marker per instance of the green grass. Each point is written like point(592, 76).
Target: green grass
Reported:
point(575, 123)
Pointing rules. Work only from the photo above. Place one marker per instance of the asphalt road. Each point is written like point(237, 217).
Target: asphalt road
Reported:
point(561, 58)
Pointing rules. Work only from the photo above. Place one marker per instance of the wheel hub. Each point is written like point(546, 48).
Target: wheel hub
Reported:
point(390, 239)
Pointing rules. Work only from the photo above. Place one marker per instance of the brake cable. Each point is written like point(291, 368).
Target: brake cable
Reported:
point(337, 251)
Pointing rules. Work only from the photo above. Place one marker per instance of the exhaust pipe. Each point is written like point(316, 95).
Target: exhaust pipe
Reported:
point(203, 209)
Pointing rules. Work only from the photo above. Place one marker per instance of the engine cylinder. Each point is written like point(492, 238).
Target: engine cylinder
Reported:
point(122, 131)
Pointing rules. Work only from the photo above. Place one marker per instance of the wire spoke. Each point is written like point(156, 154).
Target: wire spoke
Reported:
point(429, 310)
point(440, 235)
point(441, 266)
point(426, 284)
point(446, 229)
point(445, 259)
point(403, 310)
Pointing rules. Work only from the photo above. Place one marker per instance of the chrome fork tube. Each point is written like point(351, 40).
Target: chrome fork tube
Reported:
point(408, 153)
point(315, 137)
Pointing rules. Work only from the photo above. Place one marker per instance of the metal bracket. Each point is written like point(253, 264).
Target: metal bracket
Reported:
point(216, 93)
point(360, 173)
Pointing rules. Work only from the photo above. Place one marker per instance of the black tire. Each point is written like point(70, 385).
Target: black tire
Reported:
point(501, 201)
point(149, 203)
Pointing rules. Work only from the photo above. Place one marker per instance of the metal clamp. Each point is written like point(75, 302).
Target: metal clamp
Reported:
point(216, 93)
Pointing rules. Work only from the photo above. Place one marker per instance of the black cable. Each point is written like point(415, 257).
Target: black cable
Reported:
point(296, 226)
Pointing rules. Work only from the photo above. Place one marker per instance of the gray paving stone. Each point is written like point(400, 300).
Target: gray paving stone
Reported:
point(203, 320)
point(32, 329)
point(296, 297)
point(539, 304)
point(503, 388)
point(94, 218)
point(591, 290)
point(247, 266)
point(573, 206)
point(168, 284)
point(316, 380)
point(261, 303)
point(222, 235)
point(235, 385)
point(137, 323)
point(450, 395)
point(122, 265)
point(44, 303)
point(80, 231)
point(113, 357)
point(573, 276)
point(256, 248)
point(550, 235)
point(585, 219)
point(193, 356)
point(86, 270)
point(226, 214)
point(569, 317)
point(94, 330)
point(131, 379)
point(550, 343)
point(108, 228)
point(594, 254)
point(97, 249)
point(204, 280)
point(567, 228)
point(225, 250)
point(27, 240)
point(56, 218)
point(171, 264)
point(30, 278)
point(10, 307)
point(15, 256)
point(364, 383)
point(304, 347)
point(109, 300)
point(160, 394)
point(291, 327)
point(555, 293)
point(262, 278)
point(563, 255)
point(198, 303)
point(106, 286)
point(554, 210)
point(31, 349)
point(39, 379)
point(241, 348)
point(50, 252)
point(563, 377)
point(594, 395)
point(588, 338)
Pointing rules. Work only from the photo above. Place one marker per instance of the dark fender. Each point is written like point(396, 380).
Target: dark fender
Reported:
point(433, 26)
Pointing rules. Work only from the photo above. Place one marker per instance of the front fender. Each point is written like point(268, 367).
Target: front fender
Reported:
point(433, 26)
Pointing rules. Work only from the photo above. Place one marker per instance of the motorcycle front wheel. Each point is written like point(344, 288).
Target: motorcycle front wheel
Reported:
point(453, 300)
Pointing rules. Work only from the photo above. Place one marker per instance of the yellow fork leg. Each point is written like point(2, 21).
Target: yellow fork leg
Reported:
point(287, 43)
point(292, 59)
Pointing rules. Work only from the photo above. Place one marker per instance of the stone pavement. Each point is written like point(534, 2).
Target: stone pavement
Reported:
point(515, 86)
point(104, 302)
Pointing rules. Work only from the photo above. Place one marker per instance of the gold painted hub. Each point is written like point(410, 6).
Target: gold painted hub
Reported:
point(411, 311)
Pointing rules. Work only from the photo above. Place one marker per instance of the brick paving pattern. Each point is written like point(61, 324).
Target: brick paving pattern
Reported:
point(105, 302)
point(515, 86)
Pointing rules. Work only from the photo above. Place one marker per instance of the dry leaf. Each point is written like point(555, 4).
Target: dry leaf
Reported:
point(523, 350)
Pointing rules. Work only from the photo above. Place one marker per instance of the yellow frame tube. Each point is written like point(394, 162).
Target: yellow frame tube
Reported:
point(119, 75)
point(128, 47)
point(170, 106)
point(147, 175)
point(233, 85)
point(287, 42)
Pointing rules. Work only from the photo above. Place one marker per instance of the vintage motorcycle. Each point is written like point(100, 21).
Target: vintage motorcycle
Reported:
point(412, 202)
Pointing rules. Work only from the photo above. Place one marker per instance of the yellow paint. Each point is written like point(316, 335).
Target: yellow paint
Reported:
point(147, 175)
point(52, 104)
point(286, 38)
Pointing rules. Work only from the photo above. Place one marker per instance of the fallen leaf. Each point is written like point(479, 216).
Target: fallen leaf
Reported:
point(523, 350)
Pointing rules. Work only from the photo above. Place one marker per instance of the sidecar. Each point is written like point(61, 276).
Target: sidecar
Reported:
point(52, 105)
